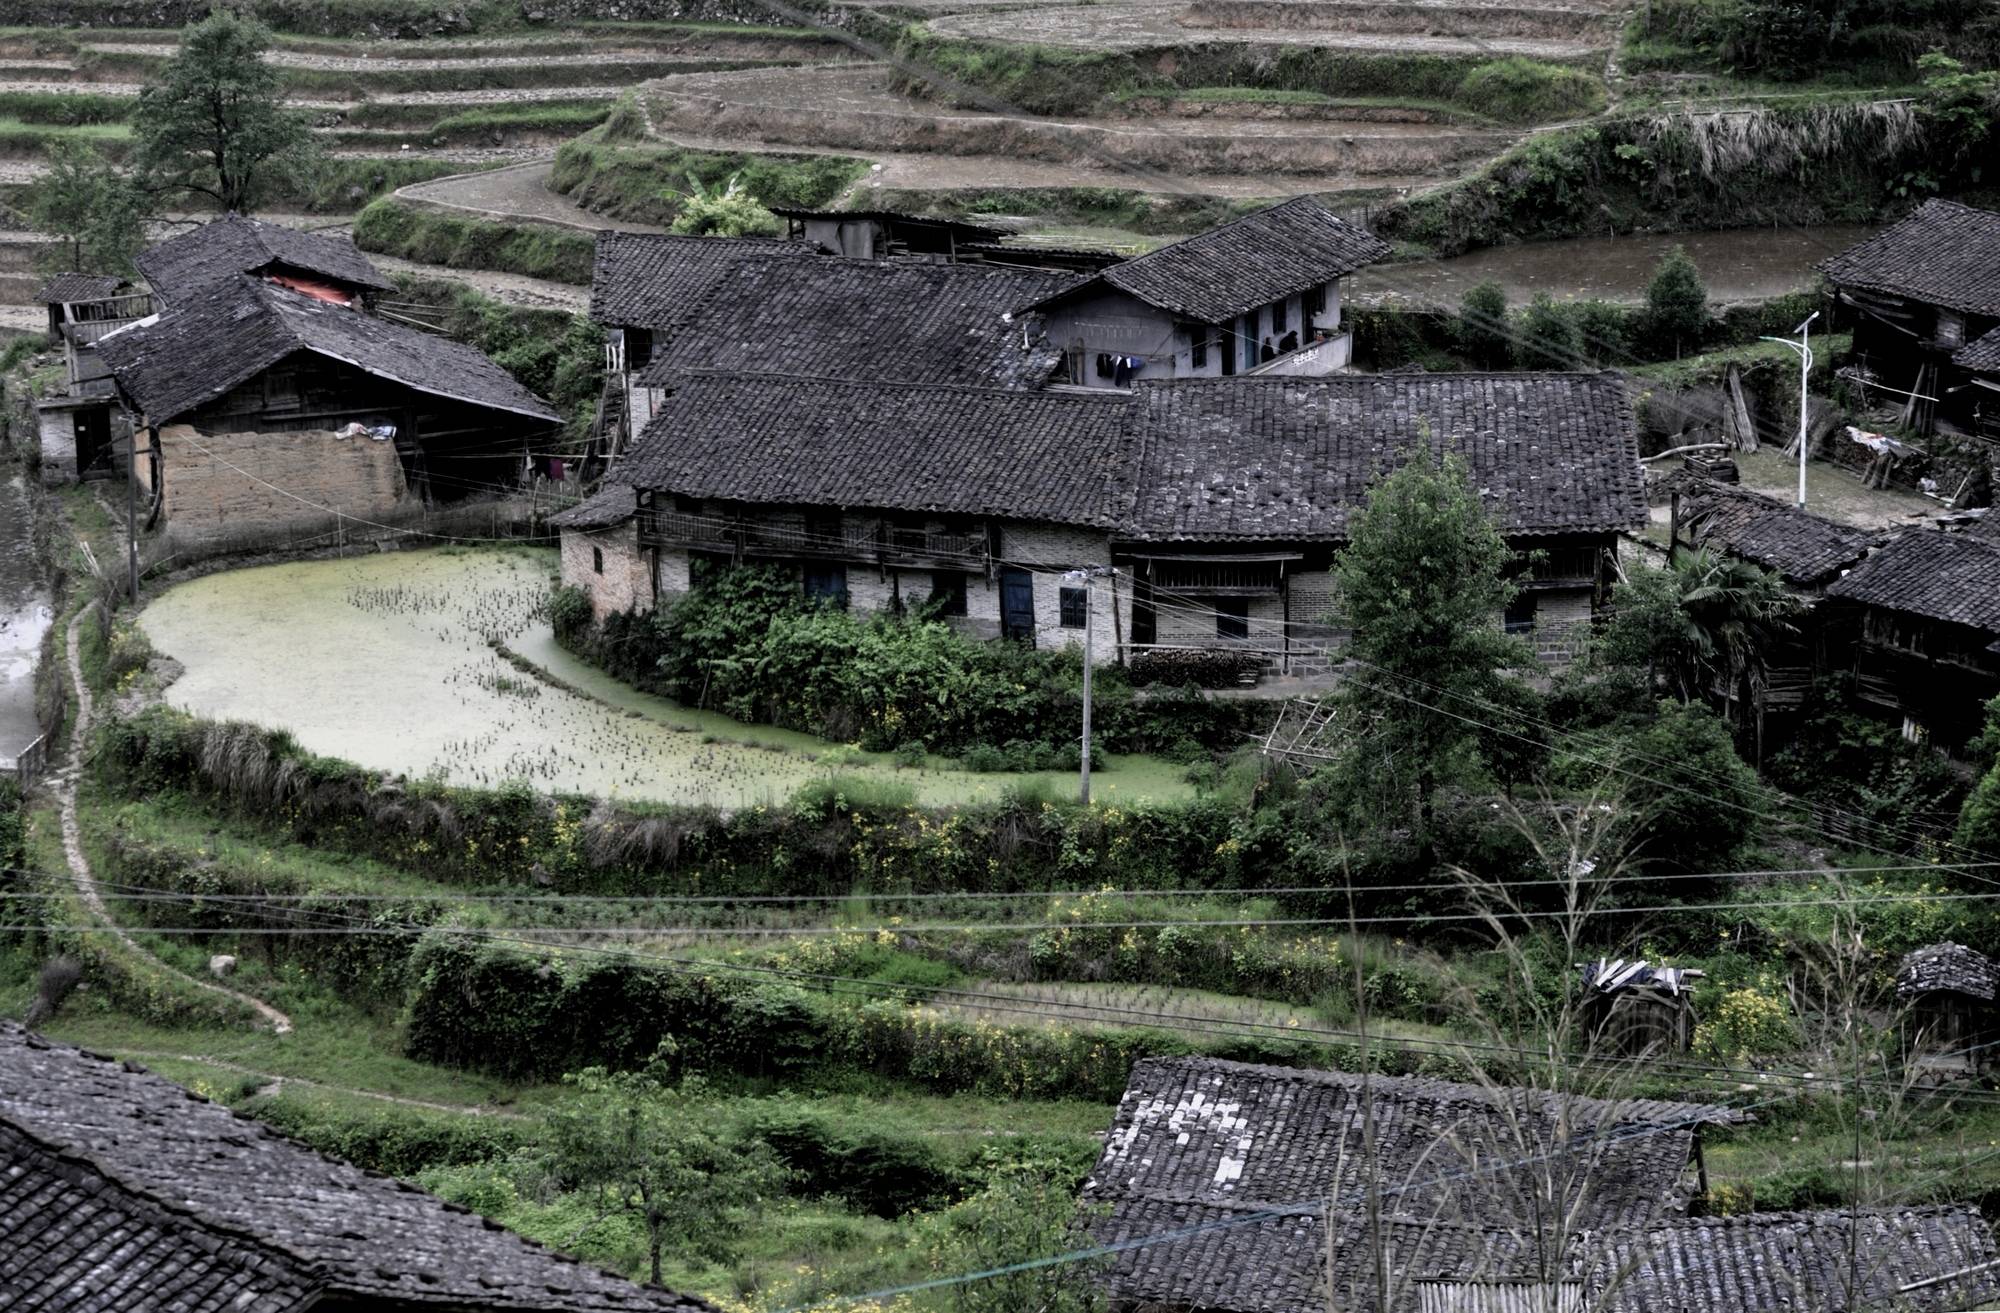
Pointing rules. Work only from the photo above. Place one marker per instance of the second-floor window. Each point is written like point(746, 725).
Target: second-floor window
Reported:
point(1278, 316)
point(1197, 346)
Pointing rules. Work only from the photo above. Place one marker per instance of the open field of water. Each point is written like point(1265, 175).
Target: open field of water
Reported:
point(385, 661)
point(25, 616)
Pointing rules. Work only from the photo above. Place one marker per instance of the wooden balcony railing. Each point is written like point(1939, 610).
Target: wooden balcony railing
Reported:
point(872, 543)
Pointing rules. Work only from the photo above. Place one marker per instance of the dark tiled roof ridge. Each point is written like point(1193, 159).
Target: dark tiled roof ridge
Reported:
point(1092, 396)
point(1435, 1086)
point(1275, 380)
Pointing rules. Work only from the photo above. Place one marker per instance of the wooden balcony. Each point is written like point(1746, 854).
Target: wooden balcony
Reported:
point(867, 543)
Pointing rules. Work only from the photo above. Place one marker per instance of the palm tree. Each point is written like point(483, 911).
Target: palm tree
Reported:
point(1730, 612)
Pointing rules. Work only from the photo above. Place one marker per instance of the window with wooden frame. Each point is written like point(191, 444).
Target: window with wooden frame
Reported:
point(826, 582)
point(597, 559)
point(1197, 336)
point(1073, 608)
point(1312, 302)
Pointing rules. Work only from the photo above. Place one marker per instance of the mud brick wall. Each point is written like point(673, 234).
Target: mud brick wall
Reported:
point(230, 485)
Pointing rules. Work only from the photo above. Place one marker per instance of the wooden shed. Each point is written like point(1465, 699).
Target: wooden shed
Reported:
point(1947, 994)
point(1633, 1009)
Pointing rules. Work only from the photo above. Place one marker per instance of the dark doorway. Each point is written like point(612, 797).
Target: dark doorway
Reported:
point(93, 443)
point(1017, 604)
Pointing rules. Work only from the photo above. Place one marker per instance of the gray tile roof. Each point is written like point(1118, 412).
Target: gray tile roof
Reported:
point(1238, 1133)
point(233, 1210)
point(609, 505)
point(1219, 1181)
point(1803, 548)
point(1951, 967)
point(1944, 254)
point(1981, 356)
point(1953, 577)
point(60, 1219)
point(230, 330)
point(829, 442)
point(79, 287)
point(1799, 1263)
point(1245, 263)
point(1291, 459)
point(650, 280)
point(235, 245)
point(894, 321)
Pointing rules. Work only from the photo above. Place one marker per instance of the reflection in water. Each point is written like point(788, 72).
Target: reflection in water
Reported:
point(1739, 264)
point(24, 619)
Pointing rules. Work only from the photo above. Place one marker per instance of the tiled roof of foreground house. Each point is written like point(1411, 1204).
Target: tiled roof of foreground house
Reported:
point(1282, 459)
point(649, 280)
point(235, 245)
point(1803, 548)
point(829, 442)
point(1291, 458)
point(1232, 1258)
point(120, 1190)
point(1944, 254)
point(228, 331)
point(1981, 356)
point(1224, 1171)
point(78, 287)
point(896, 321)
point(1941, 576)
point(1947, 966)
point(1246, 263)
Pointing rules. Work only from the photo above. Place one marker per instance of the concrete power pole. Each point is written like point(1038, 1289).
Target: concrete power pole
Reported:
point(1084, 577)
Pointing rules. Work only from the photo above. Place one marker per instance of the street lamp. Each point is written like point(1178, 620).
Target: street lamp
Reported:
point(1804, 348)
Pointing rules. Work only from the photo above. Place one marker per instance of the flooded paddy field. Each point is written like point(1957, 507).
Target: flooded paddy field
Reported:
point(386, 661)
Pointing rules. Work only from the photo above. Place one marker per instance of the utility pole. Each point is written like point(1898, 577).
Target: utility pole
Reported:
point(1804, 349)
point(132, 514)
point(1084, 577)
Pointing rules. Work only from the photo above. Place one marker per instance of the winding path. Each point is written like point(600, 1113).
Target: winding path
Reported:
point(79, 865)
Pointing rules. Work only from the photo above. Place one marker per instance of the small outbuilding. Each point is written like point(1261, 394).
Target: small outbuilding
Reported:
point(1947, 994)
point(1638, 1009)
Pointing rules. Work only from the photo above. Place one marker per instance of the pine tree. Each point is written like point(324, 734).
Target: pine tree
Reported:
point(1676, 306)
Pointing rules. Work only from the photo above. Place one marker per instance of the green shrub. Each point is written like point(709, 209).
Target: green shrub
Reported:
point(1517, 90)
point(532, 250)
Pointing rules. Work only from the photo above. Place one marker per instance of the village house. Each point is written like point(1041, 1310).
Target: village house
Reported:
point(878, 496)
point(1638, 1009)
point(120, 1190)
point(884, 234)
point(1808, 552)
point(80, 427)
point(841, 318)
point(1923, 291)
point(641, 284)
point(1220, 1182)
point(1947, 993)
point(1257, 295)
point(1219, 505)
point(1924, 615)
point(320, 265)
point(1981, 363)
point(264, 409)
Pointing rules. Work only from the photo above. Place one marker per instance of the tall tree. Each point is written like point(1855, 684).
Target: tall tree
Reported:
point(1676, 305)
point(1549, 338)
point(213, 123)
point(633, 1139)
point(95, 213)
point(1423, 580)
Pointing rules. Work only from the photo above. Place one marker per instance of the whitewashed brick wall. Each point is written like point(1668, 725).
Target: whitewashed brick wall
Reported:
point(625, 583)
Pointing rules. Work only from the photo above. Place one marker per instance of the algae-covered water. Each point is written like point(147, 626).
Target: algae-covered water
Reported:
point(385, 661)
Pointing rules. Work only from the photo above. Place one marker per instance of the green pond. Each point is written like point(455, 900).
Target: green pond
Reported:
point(385, 661)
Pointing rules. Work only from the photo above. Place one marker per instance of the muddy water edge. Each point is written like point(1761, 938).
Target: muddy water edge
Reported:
point(27, 609)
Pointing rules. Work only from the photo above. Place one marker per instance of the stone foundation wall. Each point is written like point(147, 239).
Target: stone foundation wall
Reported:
point(233, 485)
